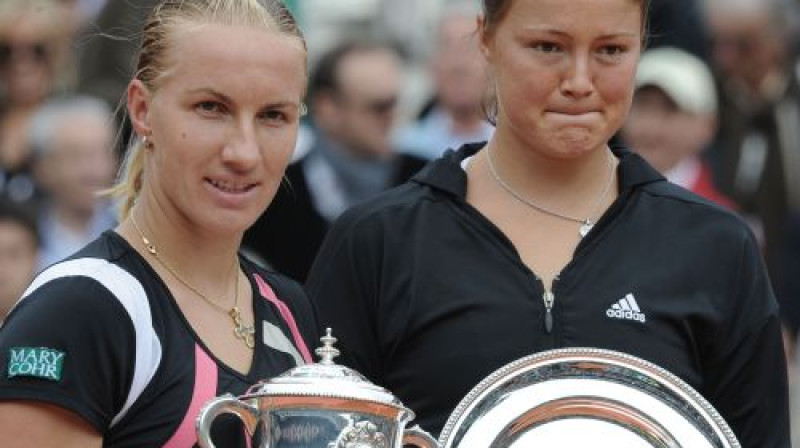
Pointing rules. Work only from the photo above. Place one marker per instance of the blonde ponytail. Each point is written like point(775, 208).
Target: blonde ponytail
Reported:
point(129, 181)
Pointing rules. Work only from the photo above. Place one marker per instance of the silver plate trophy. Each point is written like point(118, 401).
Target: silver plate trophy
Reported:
point(581, 397)
point(321, 405)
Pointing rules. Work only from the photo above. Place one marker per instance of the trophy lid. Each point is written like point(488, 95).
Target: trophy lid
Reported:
point(325, 379)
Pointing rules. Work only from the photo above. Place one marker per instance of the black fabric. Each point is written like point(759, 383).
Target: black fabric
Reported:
point(787, 281)
point(79, 316)
point(289, 233)
point(428, 297)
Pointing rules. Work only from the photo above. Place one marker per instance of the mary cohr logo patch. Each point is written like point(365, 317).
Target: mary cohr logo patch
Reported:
point(33, 362)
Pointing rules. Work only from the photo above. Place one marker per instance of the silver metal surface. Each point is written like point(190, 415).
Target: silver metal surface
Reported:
point(581, 397)
point(321, 405)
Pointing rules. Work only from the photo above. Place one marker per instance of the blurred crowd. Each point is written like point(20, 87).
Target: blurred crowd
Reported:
point(393, 84)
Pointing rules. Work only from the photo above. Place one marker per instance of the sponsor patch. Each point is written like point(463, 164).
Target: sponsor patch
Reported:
point(41, 362)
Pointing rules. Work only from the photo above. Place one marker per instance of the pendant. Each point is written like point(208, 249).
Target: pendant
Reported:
point(241, 331)
point(586, 227)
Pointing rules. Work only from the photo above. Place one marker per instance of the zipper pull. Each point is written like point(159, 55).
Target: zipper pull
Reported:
point(549, 298)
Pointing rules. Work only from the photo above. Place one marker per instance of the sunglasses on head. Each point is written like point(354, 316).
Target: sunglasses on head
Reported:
point(35, 52)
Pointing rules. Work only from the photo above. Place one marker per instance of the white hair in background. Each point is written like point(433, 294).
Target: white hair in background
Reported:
point(47, 120)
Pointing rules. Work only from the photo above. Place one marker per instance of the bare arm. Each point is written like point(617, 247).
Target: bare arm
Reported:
point(27, 424)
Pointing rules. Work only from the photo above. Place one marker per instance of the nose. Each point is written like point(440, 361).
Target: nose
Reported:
point(577, 81)
point(242, 151)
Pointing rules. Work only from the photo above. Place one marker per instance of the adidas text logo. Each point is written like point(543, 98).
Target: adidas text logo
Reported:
point(626, 308)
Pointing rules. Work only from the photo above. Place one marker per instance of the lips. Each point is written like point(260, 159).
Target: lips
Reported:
point(231, 186)
point(573, 112)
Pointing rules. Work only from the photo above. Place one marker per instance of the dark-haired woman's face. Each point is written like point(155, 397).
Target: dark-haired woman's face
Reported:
point(564, 71)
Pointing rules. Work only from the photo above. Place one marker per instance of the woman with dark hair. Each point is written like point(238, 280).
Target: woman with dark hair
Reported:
point(546, 237)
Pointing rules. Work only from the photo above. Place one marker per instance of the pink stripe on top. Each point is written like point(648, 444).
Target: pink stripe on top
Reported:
point(205, 388)
point(269, 294)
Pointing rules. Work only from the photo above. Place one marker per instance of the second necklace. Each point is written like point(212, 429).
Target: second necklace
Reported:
point(586, 224)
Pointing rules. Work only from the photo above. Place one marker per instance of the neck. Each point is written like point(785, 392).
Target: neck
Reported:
point(557, 180)
point(203, 260)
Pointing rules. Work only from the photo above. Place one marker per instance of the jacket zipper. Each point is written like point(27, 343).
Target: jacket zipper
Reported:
point(549, 300)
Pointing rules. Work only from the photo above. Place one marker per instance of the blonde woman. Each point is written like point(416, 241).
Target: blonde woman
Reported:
point(121, 344)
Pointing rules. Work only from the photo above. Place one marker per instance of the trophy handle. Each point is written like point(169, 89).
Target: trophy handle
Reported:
point(226, 404)
point(417, 436)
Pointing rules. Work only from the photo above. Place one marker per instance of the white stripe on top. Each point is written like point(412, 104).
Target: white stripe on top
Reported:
point(133, 298)
point(274, 338)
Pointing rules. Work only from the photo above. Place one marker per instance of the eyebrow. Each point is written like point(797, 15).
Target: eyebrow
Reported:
point(212, 92)
point(226, 99)
point(546, 29)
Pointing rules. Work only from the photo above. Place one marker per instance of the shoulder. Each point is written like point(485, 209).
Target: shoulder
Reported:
point(424, 200)
point(280, 290)
point(96, 292)
point(407, 165)
point(693, 211)
point(660, 204)
point(101, 267)
point(383, 213)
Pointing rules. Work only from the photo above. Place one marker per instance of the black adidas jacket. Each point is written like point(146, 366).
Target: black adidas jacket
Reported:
point(428, 297)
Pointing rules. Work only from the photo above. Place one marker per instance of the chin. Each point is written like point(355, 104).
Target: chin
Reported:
point(578, 145)
point(227, 223)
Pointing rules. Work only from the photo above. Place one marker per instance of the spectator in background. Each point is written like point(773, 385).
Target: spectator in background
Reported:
point(673, 118)
point(108, 57)
point(72, 139)
point(681, 24)
point(19, 246)
point(460, 82)
point(757, 149)
point(353, 94)
point(82, 12)
point(30, 57)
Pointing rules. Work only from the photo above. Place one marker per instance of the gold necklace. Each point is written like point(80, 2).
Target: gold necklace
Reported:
point(586, 224)
point(245, 333)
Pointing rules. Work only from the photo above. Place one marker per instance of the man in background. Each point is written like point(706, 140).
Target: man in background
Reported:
point(674, 118)
point(353, 95)
point(757, 150)
point(455, 115)
point(73, 161)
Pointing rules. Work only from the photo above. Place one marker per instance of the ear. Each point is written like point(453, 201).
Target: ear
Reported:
point(139, 107)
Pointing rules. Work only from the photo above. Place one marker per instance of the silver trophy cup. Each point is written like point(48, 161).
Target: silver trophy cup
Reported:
point(321, 405)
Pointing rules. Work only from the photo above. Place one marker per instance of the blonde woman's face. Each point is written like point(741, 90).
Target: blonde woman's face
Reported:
point(223, 124)
point(564, 71)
